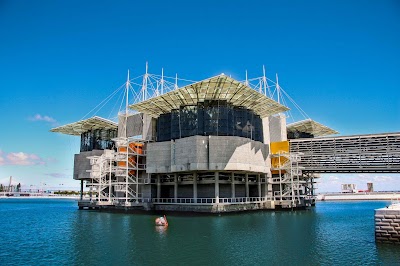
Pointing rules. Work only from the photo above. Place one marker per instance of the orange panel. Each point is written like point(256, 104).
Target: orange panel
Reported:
point(280, 147)
point(132, 172)
point(132, 160)
point(275, 161)
point(276, 172)
point(136, 147)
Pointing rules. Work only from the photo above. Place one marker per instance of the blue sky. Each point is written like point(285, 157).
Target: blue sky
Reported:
point(340, 61)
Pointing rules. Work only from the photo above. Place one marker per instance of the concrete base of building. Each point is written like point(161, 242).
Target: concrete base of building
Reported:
point(147, 207)
point(215, 208)
point(202, 208)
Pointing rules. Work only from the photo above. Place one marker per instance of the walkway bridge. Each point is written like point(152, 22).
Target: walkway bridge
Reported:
point(375, 153)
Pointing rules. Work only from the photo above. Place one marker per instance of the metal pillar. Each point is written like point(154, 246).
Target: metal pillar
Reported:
point(247, 184)
point(233, 185)
point(109, 181)
point(195, 186)
point(158, 186)
point(216, 187)
point(176, 187)
point(268, 188)
point(259, 185)
point(81, 194)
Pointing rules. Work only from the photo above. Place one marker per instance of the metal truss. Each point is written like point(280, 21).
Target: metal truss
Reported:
point(115, 175)
point(295, 188)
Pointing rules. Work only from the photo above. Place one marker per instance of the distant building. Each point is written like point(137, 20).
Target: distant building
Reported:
point(370, 187)
point(349, 188)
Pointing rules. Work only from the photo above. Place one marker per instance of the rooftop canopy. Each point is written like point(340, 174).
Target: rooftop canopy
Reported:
point(216, 88)
point(77, 128)
point(311, 127)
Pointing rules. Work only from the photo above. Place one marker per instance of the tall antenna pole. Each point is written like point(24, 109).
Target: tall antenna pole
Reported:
point(260, 89)
point(264, 81)
point(162, 80)
point(125, 125)
point(278, 89)
point(127, 94)
point(144, 87)
point(247, 80)
point(176, 81)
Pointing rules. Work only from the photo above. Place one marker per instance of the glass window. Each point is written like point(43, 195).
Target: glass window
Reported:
point(98, 139)
point(215, 118)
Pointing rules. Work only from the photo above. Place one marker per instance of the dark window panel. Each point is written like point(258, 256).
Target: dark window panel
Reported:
point(215, 118)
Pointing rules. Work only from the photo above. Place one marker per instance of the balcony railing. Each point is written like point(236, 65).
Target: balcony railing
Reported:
point(197, 201)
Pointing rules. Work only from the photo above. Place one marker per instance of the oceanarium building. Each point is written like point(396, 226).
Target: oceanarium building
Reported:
point(216, 145)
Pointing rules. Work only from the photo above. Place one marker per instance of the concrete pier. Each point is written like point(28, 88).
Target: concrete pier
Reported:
point(387, 224)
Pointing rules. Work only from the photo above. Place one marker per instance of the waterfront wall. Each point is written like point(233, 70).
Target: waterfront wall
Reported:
point(387, 225)
point(359, 196)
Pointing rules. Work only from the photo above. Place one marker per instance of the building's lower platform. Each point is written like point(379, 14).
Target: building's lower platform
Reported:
point(204, 205)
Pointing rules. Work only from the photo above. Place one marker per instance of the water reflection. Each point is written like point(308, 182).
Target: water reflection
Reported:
point(161, 230)
point(386, 255)
point(331, 233)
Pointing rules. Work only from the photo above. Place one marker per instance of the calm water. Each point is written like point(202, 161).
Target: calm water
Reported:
point(50, 232)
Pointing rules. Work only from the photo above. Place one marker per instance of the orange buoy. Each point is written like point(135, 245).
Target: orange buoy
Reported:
point(161, 221)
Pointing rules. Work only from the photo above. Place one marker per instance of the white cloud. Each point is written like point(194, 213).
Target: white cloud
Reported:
point(1, 158)
point(51, 160)
point(45, 118)
point(57, 175)
point(20, 158)
point(382, 178)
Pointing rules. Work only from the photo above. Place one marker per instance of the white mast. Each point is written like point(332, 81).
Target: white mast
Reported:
point(278, 89)
point(176, 81)
point(265, 83)
point(144, 87)
point(162, 80)
point(127, 90)
point(247, 81)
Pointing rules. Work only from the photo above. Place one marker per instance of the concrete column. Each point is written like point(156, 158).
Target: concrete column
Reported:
point(81, 195)
point(175, 186)
point(247, 184)
point(158, 186)
point(259, 185)
point(268, 188)
point(233, 186)
point(266, 133)
point(312, 187)
point(216, 187)
point(195, 186)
